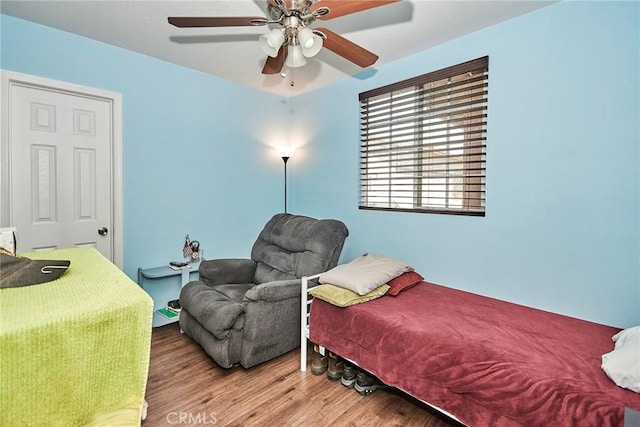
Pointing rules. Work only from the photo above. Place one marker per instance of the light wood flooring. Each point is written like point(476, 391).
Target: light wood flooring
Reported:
point(186, 388)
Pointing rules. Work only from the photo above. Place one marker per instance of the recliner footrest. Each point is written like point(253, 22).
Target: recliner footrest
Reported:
point(213, 310)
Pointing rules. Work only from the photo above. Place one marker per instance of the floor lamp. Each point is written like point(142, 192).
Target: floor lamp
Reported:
point(285, 152)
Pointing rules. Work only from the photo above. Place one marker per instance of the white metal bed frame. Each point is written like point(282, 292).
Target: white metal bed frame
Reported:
point(305, 304)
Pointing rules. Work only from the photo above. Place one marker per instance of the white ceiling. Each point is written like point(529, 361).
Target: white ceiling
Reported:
point(392, 32)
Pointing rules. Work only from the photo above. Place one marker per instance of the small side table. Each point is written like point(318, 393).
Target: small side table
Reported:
point(165, 287)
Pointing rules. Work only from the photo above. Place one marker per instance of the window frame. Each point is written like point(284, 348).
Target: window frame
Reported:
point(420, 140)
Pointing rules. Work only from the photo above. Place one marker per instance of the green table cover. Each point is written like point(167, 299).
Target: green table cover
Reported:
point(74, 351)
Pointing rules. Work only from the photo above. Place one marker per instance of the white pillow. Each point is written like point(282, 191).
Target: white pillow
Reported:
point(365, 273)
point(622, 365)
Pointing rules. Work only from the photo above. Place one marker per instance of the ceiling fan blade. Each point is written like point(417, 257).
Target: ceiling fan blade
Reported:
point(274, 65)
point(345, 7)
point(222, 21)
point(347, 49)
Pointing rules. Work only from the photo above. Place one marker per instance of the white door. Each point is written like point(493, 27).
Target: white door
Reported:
point(61, 157)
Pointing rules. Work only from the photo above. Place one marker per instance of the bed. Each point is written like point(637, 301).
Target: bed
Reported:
point(75, 351)
point(483, 361)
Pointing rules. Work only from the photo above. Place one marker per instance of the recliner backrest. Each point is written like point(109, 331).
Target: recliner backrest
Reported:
point(292, 246)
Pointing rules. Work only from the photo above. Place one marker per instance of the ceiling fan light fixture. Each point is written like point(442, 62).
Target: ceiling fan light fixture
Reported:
point(305, 37)
point(271, 42)
point(295, 58)
point(310, 42)
point(293, 17)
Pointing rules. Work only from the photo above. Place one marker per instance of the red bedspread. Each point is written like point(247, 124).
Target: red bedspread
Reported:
point(488, 362)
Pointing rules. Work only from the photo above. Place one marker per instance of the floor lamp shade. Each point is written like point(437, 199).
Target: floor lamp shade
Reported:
point(285, 152)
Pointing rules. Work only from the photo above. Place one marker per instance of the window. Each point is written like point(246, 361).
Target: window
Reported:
point(423, 142)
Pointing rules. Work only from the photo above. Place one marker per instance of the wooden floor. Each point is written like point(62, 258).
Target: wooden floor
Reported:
point(186, 388)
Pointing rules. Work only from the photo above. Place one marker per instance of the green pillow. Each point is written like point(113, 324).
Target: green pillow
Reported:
point(342, 297)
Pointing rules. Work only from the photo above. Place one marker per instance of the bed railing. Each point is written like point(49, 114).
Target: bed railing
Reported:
point(305, 304)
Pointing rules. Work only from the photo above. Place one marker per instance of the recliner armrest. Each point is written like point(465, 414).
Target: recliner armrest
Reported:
point(277, 290)
point(227, 270)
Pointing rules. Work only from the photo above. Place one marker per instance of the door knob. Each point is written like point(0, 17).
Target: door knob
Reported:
point(103, 231)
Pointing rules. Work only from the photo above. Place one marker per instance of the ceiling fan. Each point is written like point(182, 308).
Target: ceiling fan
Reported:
point(292, 41)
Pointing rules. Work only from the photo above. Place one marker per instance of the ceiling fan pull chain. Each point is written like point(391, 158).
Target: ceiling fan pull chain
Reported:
point(284, 75)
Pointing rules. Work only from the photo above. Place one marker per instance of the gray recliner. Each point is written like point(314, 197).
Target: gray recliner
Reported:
point(247, 311)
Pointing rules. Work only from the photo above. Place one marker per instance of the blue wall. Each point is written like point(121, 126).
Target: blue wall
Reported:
point(562, 230)
point(194, 160)
point(562, 225)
